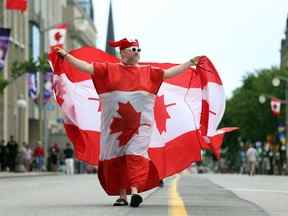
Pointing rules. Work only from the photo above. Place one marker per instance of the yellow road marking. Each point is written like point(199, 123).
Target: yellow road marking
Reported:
point(176, 204)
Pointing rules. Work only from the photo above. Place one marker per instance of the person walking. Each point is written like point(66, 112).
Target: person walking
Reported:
point(12, 147)
point(69, 159)
point(28, 156)
point(39, 156)
point(3, 155)
point(251, 159)
point(127, 89)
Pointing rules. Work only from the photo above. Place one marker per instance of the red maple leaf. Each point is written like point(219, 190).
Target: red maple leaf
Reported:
point(57, 36)
point(128, 124)
point(160, 113)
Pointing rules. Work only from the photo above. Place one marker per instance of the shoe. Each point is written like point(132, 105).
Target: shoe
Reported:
point(136, 200)
point(161, 184)
point(120, 202)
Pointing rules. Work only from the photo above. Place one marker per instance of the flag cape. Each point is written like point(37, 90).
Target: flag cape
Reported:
point(187, 107)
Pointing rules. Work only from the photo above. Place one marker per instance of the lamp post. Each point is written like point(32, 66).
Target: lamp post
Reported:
point(21, 104)
point(276, 82)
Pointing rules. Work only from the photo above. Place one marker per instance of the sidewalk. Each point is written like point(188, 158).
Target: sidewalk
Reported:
point(27, 174)
point(268, 191)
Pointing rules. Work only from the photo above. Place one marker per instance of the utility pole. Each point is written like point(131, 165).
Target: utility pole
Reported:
point(41, 105)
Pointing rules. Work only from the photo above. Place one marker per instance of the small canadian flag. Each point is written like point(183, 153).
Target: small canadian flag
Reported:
point(18, 5)
point(275, 106)
point(57, 36)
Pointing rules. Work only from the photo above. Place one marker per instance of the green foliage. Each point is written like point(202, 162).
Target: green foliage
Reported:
point(20, 68)
point(244, 110)
point(3, 83)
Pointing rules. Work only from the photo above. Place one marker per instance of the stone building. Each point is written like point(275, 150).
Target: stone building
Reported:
point(19, 115)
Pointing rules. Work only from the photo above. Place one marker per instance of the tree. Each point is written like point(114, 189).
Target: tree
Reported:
point(20, 68)
point(254, 119)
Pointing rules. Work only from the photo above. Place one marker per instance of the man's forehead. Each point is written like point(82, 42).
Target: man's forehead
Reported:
point(132, 47)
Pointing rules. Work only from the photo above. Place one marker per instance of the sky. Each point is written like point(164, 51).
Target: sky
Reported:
point(239, 36)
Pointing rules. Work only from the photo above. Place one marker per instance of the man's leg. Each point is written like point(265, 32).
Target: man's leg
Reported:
point(66, 167)
point(123, 194)
point(122, 201)
point(250, 168)
point(134, 190)
point(70, 166)
point(136, 199)
point(253, 167)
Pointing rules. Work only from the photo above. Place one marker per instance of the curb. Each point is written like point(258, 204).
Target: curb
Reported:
point(23, 175)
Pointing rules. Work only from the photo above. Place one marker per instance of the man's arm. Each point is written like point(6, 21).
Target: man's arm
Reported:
point(173, 71)
point(80, 64)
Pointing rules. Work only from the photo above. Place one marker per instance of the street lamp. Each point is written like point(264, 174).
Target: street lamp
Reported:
point(276, 82)
point(262, 99)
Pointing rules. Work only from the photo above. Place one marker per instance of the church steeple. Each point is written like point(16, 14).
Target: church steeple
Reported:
point(284, 48)
point(110, 32)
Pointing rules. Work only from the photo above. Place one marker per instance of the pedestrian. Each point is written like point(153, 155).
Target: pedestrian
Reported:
point(131, 88)
point(69, 159)
point(251, 155)
point(266, 164)
point(21, 158)
point(242, 161)
point(39, 156)
point(12, 147)
point(28, 156)
point(3, 155)
point(54, 157)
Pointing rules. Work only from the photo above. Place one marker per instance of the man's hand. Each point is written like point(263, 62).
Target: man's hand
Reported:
point(61, 52)
point(78, 63)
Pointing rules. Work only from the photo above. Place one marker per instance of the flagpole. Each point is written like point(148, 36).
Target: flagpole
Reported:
point(41, 106)
point(5, 76)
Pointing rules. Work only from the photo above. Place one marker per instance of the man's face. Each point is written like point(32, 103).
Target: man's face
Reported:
point(131, 55)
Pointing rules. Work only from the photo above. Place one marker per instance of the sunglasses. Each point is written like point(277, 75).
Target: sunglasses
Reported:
point(134, 49)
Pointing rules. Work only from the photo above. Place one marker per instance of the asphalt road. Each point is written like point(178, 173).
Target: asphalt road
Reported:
point(183, 194)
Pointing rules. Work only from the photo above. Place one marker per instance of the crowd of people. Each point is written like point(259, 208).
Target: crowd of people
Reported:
point(263, 160)
point(24, 157)
point(253, 158)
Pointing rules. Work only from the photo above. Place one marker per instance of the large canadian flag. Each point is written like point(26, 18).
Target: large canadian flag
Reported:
point(187, 108)
point(57, 36)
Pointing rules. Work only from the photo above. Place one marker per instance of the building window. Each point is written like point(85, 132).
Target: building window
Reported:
point(34, 42)
point(87, 6)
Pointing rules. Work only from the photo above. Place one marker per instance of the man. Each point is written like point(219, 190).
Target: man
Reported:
point(127, 89)
point(12, 147)
point(3, 155)
point(69, 159)
point(39, 155)
point(251, 159)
